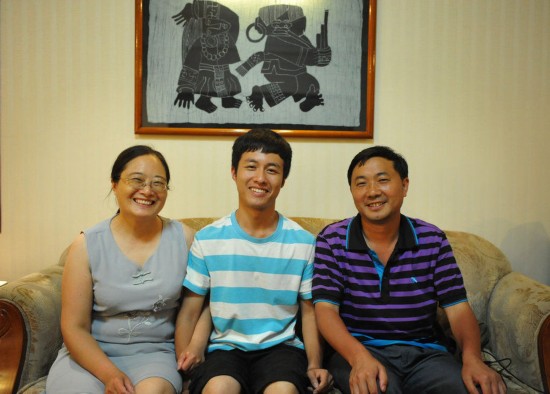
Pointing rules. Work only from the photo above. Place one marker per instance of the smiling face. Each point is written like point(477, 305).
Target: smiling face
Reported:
point(142, 202)
point(259, 179)
point(378, 190)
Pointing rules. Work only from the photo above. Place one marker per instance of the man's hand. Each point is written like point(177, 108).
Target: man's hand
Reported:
point(321, 380)
point(476, 372)
point(364, 375)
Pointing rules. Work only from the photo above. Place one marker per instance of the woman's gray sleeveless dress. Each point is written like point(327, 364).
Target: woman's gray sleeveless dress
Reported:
point(134, 311)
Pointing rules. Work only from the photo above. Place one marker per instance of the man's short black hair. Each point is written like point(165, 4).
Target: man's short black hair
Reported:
point(399, 162)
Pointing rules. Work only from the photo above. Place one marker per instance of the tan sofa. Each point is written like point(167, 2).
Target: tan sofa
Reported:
point(513, 310)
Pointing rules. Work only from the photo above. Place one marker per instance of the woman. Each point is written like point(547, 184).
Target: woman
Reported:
point(121, 290)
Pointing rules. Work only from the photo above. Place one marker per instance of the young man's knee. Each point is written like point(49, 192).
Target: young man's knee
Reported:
point(222, 385)
point(281, 388)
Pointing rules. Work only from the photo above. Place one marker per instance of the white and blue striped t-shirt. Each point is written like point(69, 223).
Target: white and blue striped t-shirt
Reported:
point(254, 283)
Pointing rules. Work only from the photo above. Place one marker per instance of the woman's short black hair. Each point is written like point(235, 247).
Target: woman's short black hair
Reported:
point(130, 154)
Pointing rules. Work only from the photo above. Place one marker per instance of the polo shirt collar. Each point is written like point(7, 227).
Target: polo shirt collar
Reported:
point(355, 241)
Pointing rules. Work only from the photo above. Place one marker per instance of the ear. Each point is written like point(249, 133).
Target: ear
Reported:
point(405, 186)
point(283, 183)
point(234, 173)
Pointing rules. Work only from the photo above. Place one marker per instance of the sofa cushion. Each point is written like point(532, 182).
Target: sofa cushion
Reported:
point(36, 387)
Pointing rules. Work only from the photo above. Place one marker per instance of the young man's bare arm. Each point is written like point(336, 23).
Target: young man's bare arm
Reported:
point(320, 378)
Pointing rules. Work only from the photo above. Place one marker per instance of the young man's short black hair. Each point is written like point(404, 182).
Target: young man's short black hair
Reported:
point(399, 162)
point(265, 141)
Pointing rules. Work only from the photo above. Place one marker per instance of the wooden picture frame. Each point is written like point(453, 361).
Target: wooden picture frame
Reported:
point(202, 68)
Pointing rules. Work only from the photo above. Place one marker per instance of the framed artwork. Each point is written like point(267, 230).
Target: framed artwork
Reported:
point(211, 68)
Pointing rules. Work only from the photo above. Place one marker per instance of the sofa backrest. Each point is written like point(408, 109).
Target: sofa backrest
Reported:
point(312, 224)
point(482, 265)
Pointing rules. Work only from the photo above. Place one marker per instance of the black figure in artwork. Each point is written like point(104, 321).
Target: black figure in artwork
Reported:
point(285, 57)
point(210, 32)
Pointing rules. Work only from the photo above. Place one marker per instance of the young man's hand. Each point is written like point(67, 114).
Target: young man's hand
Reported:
point(321, 380)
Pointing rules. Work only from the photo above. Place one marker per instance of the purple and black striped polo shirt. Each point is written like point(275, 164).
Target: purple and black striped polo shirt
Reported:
point(396, 303)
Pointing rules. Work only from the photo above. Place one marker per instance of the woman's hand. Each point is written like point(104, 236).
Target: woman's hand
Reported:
point(119, 383)
point(190, 359)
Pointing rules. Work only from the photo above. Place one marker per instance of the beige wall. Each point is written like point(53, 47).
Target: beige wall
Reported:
point(462, 90)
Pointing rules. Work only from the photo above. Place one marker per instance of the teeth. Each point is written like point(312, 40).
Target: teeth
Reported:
point(257, 190)
point(376, 204)
point(143, 202)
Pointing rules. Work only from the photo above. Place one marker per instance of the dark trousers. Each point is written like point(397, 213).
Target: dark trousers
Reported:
point(410, 369)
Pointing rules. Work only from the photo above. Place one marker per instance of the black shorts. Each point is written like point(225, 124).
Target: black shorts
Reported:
point(254, 370)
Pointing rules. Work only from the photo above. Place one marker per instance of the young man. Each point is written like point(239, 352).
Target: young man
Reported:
point(379, 278)
point(256, 266)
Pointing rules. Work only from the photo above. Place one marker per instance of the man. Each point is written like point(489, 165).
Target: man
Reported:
point(379, 278)
point(256, 266)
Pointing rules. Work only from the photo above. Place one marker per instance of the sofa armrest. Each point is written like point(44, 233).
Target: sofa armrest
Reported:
point(544, 353)
point(30, 308)
point(518, 315)
point(12, 340)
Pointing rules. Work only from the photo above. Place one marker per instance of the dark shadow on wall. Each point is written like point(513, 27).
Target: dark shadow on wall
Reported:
point(528, 248)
